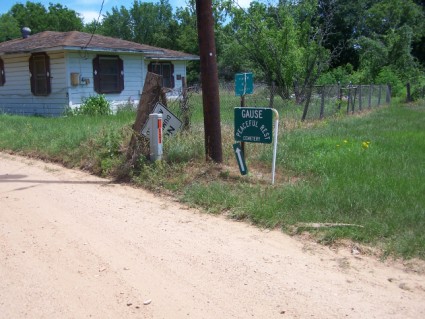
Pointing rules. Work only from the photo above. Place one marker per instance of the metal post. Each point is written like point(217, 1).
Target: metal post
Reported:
point(243, 143)
point(155, 136)
point(209, 77)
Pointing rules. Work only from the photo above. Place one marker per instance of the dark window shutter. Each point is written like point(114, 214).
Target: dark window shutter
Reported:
point(96, 75)
point(2, 74)
point(172, 76)
point(150, 67)
point(32, 74)
point(121, 74)
point(40, 79)
point(48, 77)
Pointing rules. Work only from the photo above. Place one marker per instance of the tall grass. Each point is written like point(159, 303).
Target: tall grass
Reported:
point(366, 170)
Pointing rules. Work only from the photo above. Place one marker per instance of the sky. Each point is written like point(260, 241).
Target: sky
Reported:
point(89, 9)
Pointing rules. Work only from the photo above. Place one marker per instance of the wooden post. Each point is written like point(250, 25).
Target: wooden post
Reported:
point(388, 98)
point(379, 96)
point(348, 99)
point(209, 78)
point(353, 105)
point(409, 96)
point(339, 95)
point(322, 103)
point(370, 95)
point(307, 104)
point(152, 93)
point(360, 97)
point(184, 108)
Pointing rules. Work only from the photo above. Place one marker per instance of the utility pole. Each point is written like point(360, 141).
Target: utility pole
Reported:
point(209, 79)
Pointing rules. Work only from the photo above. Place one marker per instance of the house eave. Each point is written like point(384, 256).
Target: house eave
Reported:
point(168, 58)
point(146, 53)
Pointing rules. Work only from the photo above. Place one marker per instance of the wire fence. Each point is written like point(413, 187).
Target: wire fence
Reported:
point(414, 91)
point(324, 101)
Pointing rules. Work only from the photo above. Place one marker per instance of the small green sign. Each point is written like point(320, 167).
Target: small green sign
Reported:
point(240, 158)
point(244, 84)
point(253, 124)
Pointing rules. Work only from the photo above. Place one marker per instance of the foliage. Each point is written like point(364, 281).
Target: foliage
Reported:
point(39, 19)
point(145, 22)
point(9, 27)
point(341, 74)
point(388, 76)
point(283, 43)
point(92, 106)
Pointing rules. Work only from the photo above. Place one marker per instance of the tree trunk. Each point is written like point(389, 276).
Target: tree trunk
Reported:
point(152, 93)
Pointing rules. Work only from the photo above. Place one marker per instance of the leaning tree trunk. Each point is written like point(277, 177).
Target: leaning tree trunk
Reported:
point(152, 93)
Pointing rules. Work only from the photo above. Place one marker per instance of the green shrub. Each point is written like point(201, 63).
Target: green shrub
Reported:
point(92, 106)
point(388, 76)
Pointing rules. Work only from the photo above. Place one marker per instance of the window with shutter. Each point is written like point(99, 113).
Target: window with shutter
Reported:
point(39, 65)
point(108, 73)
point(166, 70)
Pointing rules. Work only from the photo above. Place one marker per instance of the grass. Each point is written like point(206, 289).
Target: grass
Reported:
point(362, 170)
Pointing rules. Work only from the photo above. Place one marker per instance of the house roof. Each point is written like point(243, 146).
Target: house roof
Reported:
point(78, 41)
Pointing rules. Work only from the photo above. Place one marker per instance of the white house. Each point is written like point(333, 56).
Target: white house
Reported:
point(43, 73)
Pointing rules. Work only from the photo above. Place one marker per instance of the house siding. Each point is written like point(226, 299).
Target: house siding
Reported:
point(16, 96)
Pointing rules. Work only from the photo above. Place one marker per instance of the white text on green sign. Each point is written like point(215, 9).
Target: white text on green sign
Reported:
point(244, 84)
point(253, 124)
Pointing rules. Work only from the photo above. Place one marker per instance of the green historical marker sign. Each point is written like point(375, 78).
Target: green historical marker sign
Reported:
point(253, 124)
point(244, 84)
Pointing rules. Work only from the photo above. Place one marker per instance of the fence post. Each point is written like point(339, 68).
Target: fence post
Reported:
point(353, 105)
point(388, 98)
point(409, 96)
point(360, 97)
point(379, 95)
point(348, 99)
point(370, 95)
point(339, 93)
point(184, 107)
point(307, 104)
point(322, 103)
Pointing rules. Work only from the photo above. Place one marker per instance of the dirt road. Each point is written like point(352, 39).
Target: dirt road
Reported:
point(77, 246)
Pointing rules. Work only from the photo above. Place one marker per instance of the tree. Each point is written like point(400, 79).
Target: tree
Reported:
point(63, 19)
point(32, 15)
point(9, 27)
point(393, 26)
point(284, 42)
point(39, 19)
point(145, 22)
